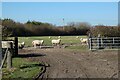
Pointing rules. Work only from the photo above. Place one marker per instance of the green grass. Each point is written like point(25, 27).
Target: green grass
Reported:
point(47, 41)
point(22, 68)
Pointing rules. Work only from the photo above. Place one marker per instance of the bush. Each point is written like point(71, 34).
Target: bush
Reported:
point(105, 31)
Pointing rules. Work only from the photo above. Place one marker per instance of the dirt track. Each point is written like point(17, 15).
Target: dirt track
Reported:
point(76, 64)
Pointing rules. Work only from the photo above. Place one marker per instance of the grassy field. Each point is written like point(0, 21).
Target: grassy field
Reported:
point(26, 69)
point(22, 68)
point(47, 41)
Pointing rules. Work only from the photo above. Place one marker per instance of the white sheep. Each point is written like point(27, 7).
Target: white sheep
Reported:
point(59, 37)
point(77, 36)
point(36, 43)
point(49, 37)
point(21, 45)
point(84, 40)
point(56, 42)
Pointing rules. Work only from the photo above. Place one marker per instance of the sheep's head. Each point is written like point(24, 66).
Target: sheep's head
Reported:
point(59, 37)
point(23, 43)
point(42, 41)
point(77, 37)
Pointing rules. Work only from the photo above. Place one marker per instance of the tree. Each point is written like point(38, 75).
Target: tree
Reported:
point(105, 31)
point(69, 29)
point(82, 27)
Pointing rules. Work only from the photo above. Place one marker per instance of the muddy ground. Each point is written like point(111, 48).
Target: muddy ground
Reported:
point(66, 63)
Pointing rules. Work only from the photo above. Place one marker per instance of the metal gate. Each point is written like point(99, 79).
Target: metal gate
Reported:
point(104, 43)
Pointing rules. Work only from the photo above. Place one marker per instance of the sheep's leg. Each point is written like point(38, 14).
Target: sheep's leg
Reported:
point(56, 44)
point(53, 44)
point(35, 46)
point(40, 47)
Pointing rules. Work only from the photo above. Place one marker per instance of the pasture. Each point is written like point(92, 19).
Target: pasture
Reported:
point(74, 61)
point(47, 40)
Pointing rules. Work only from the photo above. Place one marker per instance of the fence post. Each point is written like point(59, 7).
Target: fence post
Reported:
point(0, 50)
point(89, 41)
point(98, 41)
point(8, 46)
point(9, 59)
point(0, 53)
point(101, 44)
point(16, 46)
point(9, 56)
point(113, 40)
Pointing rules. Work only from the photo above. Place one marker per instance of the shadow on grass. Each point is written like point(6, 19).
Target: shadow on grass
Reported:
point(32, 65)
point(30, 55)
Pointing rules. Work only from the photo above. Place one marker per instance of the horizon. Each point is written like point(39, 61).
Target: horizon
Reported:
point(55, 12)
point(60, 25)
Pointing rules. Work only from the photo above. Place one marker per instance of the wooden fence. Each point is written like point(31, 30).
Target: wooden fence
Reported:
point(9, 50)
point(104, 43)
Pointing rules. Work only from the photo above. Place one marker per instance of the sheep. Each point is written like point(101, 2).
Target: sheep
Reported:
point(56, 42)
point(21, 45)
point(59, 36)
point(84, 40)
point(77, 36)
point(36, 43)
point(49, 37)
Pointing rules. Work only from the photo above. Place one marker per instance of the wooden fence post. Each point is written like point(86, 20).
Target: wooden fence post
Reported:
point(113, 40)
point(89, 41)
point(8, 53)
point(0, 60)
point(98, 42)
point(9, 59)
point(0, 50)
point(90, 44)
point(0, 53)
point(9, 56)
point(16, 46)
point(113, 44)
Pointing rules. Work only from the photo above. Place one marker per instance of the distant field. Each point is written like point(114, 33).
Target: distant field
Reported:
point(47, 41)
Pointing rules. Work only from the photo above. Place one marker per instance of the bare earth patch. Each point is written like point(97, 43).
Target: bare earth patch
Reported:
point(66, 63)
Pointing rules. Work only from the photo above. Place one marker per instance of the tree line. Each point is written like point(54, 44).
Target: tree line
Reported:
point(35, 28)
